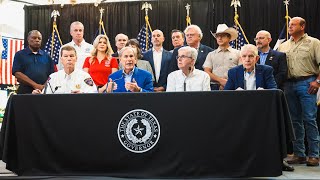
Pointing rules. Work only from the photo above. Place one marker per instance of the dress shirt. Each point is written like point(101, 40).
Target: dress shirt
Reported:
point(157, 58)
point(197, 80)
point(263, 57)
point(250, 78)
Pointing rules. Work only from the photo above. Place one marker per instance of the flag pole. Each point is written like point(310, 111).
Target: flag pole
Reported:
point(286, 3)
point(188, 19)
point(146, 6)
point(236, 4)
point(54, 15)
point(101, 25)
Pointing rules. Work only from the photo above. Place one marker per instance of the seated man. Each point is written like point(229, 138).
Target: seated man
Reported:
point(130, 78)
point(69, 79)
point(188, 78)
point(250, 76)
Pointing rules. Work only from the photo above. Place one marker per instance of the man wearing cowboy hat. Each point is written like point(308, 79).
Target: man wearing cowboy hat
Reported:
point(219, 61)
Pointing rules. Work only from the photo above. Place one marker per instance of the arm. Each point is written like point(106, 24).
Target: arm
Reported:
point(22, 78)
point(214, 77)
point(206, 83)
point(230, 85)
point(281, 76)
point(170, 83)
point(270, 82)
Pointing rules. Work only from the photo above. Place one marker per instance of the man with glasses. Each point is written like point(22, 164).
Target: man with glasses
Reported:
point(188, 78)
point(222, 59)
point(277, 60)
point(249, 75)
point(193, 35)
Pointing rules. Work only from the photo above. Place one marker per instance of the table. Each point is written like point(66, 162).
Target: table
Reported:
point(194, 134)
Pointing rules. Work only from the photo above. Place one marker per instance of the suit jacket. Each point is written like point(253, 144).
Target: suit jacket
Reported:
point(142, 77)
point(164, 70)
point(264, 77)
point(278, 61)
point(203, 51)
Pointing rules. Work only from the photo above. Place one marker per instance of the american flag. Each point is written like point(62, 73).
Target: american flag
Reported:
point(143, 39)
point(282, 38)
point(11, 46)
point(240, 41)
point(54, 53)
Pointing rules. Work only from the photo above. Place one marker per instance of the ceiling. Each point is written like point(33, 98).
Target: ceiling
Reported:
point(46, 2)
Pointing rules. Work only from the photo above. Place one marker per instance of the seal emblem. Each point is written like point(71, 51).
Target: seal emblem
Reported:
point(138, 131)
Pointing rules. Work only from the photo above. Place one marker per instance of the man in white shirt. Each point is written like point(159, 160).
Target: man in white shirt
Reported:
point(70, 79)
point(159, 59)
point(81, 46)
point(188, 78)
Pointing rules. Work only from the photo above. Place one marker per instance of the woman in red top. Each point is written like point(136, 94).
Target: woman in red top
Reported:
point(100, 64)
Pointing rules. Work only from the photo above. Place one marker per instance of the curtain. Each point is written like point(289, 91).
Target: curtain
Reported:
point(128, 18)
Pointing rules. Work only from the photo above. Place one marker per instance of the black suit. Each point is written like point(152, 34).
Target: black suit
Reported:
point(278, 61)
point(202, 55)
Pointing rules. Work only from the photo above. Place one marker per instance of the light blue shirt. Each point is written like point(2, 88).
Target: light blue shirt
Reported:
point(263, 57)
point(128, 77)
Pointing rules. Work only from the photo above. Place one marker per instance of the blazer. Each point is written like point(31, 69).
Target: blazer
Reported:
point(164, 70)
point(142, 77)
point(264, 78)
point(203, 51)
point(278, 61)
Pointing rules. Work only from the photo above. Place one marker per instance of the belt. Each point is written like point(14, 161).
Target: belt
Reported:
point(301, 78)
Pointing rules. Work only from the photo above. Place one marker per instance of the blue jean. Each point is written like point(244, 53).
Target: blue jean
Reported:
point(303, 111)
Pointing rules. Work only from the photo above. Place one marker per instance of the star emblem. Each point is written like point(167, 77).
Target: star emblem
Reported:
point(138, 130)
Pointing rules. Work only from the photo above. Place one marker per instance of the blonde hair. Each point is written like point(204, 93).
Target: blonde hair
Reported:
point(94, 52)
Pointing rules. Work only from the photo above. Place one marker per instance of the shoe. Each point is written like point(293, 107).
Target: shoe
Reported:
point(296, 160)
point(312, 161)
point(286, 166)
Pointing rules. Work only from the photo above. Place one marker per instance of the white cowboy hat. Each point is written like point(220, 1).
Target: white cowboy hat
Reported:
point(223, 28)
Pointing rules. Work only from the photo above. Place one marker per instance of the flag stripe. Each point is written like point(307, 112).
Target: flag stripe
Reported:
point(11, 46)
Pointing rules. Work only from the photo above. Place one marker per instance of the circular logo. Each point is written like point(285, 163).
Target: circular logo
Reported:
point(138, 131)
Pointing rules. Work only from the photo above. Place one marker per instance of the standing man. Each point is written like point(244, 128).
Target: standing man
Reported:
point(82, 47)
point(121, 41)
point(32, 66)
point(272, 58)
point(303, 58)
point(222, 59)
point(159, 59)
point(177, 38)
point(193, 35)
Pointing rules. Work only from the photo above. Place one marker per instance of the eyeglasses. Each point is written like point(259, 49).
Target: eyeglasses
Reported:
point(182, 57)
point(261, 38)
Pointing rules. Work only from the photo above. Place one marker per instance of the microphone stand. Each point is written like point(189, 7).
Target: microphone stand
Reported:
point(184, 83)
point(244, 79)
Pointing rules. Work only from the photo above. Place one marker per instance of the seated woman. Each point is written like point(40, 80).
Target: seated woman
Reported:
point(130, 78)
point(141, 64)
point(100, 65)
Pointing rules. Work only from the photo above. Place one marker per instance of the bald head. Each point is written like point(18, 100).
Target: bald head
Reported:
point(297, 27)
point(263, 39)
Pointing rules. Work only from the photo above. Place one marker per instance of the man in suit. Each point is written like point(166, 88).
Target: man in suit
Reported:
point(130, 78)
point(277, 60)
point(193, 36)
point(159, 59)
point(121, 41)
point(249, 75)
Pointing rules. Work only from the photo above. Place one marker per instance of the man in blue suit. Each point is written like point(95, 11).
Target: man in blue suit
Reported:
point(130, 78)
point(249, 75)
point(193, 36)
point(277, 60)
point(159, 59)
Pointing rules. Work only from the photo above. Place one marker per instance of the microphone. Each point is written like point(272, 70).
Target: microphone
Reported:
point(55, 89)
point(46, 86)
point(244, 79)
point(185, 83)
point(112, 84)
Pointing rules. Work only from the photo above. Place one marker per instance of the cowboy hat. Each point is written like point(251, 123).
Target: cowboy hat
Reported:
point(223, 28)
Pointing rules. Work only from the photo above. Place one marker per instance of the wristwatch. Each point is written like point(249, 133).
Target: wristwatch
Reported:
point(318, 81)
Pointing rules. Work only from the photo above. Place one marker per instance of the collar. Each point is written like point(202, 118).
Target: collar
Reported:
point(154, 50)
point(130, 73)
point(228, 49)
point(265, 52)
point(302, 37)
point(28, 51)
point(81, 44)
point(69, 75)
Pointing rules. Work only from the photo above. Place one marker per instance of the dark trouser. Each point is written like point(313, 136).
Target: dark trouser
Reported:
point(214, 86)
